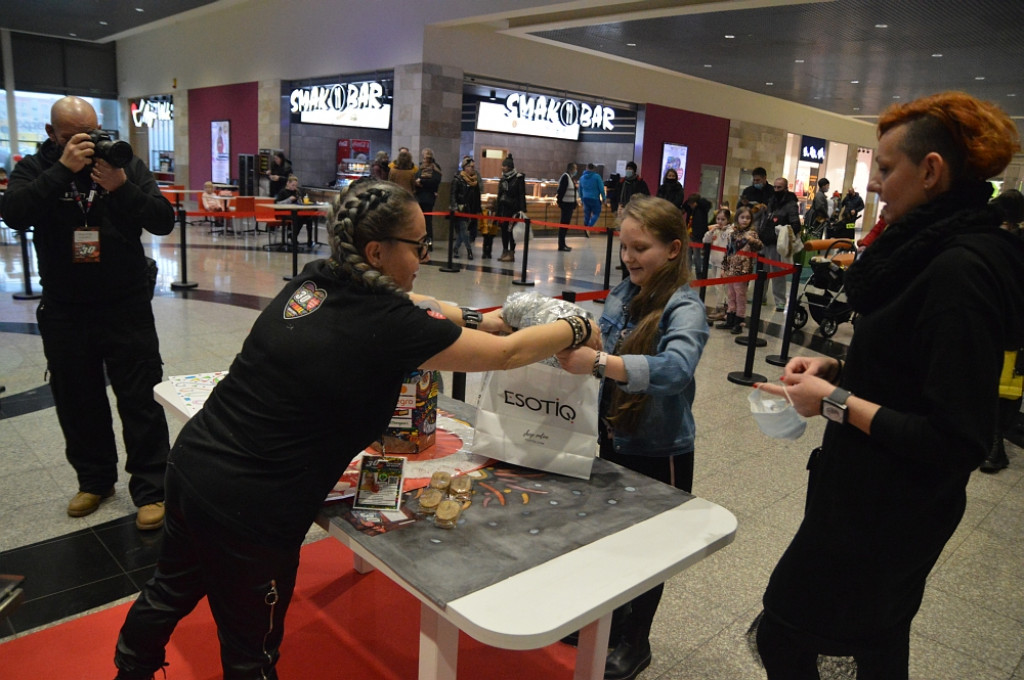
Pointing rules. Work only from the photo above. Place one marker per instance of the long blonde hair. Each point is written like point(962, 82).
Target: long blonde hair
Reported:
point(664, 221)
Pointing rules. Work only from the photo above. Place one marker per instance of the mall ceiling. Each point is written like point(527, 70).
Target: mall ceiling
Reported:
point(851, 57)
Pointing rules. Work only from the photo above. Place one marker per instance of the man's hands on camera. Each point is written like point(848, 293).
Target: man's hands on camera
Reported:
point(107, 176)
point(80, 151)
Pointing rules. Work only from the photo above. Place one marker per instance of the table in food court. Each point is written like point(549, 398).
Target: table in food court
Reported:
point(523, 575)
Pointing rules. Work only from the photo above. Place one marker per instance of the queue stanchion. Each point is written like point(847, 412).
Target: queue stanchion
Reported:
point(748, 377)
point(294, 228)
point(26, 270)
point(755, 313)
point(184, 283)
point(451, 267)
point(705, 255)
point(459, 386)
point(607, 264)
point(526, 256)
point(787, 330)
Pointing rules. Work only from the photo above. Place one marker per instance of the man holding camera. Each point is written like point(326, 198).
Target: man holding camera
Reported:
point(88, 199)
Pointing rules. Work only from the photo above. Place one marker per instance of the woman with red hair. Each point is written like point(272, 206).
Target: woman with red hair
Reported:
point(939, 296)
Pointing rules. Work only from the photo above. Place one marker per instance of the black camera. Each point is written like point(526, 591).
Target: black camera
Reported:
point(113, 151)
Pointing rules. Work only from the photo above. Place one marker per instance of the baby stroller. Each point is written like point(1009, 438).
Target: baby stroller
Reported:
point(829, 307)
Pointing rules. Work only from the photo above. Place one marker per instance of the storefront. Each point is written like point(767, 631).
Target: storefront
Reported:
point(336, 125)
point(32, 111)
point(151, 133)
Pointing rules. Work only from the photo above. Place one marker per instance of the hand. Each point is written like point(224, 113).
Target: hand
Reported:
point(595, 337)
point(822, 367)
point(805, 390)
point(493, 322)
point(78, 152)
point(107, 176)
point(579, 361)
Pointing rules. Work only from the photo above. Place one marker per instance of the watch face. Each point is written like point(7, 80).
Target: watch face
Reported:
point(835, 413)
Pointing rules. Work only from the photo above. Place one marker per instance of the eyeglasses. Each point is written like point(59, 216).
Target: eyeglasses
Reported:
point(422, 246)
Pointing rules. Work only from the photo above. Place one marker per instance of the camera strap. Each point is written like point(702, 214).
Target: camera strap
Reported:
point(85, 245)
point(84, 203)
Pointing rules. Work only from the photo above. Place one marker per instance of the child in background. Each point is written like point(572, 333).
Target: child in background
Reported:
point(742, 239)
point(213, 203)
point(718, 236)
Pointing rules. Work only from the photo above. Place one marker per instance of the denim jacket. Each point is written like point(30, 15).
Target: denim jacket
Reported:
point(667, 426)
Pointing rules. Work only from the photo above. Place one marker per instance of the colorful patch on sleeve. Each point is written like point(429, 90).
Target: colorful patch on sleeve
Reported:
point(306, 299)
point(436, 314)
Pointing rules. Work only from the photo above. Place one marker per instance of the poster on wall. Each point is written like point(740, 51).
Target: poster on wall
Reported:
point(361, 150)
point(673, 157)
point(220, 147)
point(344, 151)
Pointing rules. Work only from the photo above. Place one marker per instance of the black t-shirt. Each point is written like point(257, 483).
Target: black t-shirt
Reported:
point(316, 382)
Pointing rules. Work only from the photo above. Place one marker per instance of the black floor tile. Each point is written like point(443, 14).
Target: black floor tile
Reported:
point(44, 610)
point(133, 549)
point(61, 564)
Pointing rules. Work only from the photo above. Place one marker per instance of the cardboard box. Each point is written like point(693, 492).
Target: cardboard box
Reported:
point(413, 427)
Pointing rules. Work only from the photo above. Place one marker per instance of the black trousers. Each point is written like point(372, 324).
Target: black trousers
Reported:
point(567, 211)
point(508, 242)
point(249, 588)
point(675, 471)
point(79, 343)
point(787, 655)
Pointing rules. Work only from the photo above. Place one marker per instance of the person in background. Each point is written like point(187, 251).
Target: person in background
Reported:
point(426, 183)
point(465, 198)
point(96, 315)
point(671, 190)
point(212, 202)
point(3, 179)
point(592, 194)
point(632, 184)
point(654, 332)
point(783, 209)
point(380, 167)
point(695, 214)
point(887, 487)
point(253, 439)
point(875, 232)
point(613, 190)
point(292, 193)
point(511, 201)
point(743, 244)
point(819, 213)
point(279, 172)
point(566, 197)
point(403, 172)
point(718, 237)
point(401, 150)
point(760, 191)
point(851, 206)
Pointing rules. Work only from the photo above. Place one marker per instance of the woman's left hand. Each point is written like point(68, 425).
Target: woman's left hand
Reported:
point(494, 323)
point(804, 389)
point(579, 361)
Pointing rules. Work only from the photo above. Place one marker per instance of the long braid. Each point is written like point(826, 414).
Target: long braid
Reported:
point(369, 211)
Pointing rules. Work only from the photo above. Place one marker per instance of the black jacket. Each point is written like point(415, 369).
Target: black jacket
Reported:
point(672, 191)
point(40, 195)
point(697, 218)
point(511, 194)
point(632, 185)
point(782, 209)
point(753, 195)
point(429, 180)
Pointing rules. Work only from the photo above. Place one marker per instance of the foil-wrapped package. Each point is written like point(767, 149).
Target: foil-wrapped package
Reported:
point(533, 309)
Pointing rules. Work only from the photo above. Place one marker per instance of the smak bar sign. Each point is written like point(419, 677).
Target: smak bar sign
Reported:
point(542, 116)
point(345, 104)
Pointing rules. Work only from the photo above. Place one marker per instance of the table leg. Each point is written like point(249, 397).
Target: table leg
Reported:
point(439, 646)
point(360, 565)
point(592, 649)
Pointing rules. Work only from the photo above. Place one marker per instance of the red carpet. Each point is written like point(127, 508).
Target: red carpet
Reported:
point(340, 625)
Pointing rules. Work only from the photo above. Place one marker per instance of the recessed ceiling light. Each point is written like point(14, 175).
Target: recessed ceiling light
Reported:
point(881, 25)
point(799, 61)
point(1012, 94)
point(856, 108)
point(818, 97)
point(73, 35)
point(707, 65)
point(729, 37)
point(630, 44)
point(937, 54)
point(769, 83)
point(103, 23)
point(854, 82)
point(895, 96)
point(139, 9)
point(979, 77)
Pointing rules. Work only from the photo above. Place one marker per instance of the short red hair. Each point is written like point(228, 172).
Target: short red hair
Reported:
point(977, 139)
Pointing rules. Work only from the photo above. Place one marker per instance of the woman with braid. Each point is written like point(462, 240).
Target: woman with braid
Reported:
point(315, 383)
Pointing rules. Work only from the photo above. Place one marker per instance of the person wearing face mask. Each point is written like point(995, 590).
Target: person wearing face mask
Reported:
point(95, 316)
point(760, 191)
point(783, 209)
point(654, 333)
point(511, 201)
point(632, 185)
point(941, 287)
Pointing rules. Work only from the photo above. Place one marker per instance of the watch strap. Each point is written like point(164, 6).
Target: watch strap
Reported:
point(471, 318)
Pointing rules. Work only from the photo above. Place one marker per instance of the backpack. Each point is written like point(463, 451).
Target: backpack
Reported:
point(765, 226)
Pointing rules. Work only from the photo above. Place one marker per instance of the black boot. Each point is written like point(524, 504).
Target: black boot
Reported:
point(737, 327)
point(997, 458)
point(627, 659)
point(619, 617)
point(730, 321)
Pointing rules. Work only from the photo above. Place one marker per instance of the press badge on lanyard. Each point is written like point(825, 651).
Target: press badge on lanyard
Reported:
point(85, 246)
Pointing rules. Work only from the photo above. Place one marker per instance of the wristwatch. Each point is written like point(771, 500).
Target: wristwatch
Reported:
point(600, 364)
point(471, 318)
point(833, 407)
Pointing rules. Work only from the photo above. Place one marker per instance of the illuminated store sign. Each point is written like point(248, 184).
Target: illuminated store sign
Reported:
point(541, 116)
point(812, 149)
point(346, 104)
point(145, 112)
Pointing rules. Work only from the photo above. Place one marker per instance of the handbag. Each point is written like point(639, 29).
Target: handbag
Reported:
point(518, 228)
point(540, 417)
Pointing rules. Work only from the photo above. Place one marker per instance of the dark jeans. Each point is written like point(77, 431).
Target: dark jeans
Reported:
point(79, 343)
point(249, 588)
point(296, 229)
point(508, 242)
point(787, 655)
point(675, 471)
point(567, 211)
point(591, 211)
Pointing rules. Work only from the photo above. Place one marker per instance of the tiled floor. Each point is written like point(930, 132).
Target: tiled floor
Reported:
point(971, 624)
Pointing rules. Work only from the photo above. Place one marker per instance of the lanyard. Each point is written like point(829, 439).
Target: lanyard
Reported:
point(84, 203)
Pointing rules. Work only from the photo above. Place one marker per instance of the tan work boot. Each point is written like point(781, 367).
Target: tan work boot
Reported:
point(150, 516)
point(85, 503)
